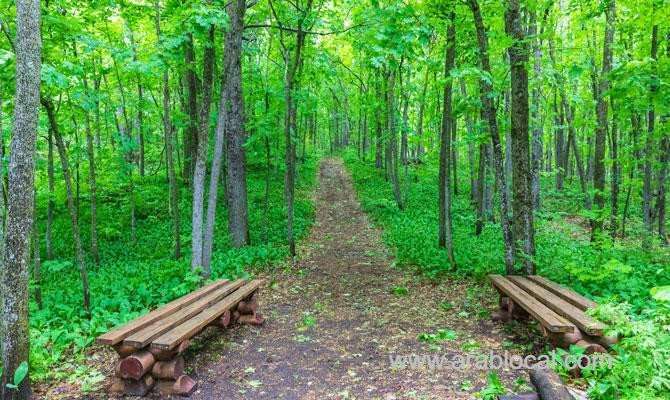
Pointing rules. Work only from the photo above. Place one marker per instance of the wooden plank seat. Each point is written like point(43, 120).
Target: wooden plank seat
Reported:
point(150, 346)
point(560, 311)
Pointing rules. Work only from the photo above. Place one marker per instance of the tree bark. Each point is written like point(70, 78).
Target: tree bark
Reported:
point(14, 277)
point(489, 111)
point(190, 141)
point(236, 135)
point(92, 184)
point(602, 121)
point(199, 170)
point(51, 205)
point(446, 227)
point(523, 199)
point(169, 152)
point(536, 119)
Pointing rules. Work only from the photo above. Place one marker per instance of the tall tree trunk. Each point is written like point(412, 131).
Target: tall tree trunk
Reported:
point(14, 277)
point(536, 119)
point(190, 141)
point(392, 144)
point(199, 170)
point(601, 127)
point(419, 123)
point(51, 204)
point(521, 181)
point(664, 158)
point(92, 184)
point(378, 128)
point(169, 152)
point(486, 91)
point(236, 135)
point(649, 142)
point(615, 175)
point(446, 226)
point(76, 236)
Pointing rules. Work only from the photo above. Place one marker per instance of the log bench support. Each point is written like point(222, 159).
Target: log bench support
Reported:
point(150, 348)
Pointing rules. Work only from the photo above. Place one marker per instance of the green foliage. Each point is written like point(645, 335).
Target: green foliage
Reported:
point(442, 335)
point(137, 277)
point(493, 388)
point(622, 272)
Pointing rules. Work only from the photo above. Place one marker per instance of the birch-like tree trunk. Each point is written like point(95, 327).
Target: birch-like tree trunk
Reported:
point(200, 168)
point(14, 275)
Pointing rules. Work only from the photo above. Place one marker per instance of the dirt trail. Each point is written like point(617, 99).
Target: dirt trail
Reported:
point(333, 321)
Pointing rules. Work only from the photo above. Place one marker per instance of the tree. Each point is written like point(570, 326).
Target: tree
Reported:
point(602, 122)
point(488, 109)
point(445, 230)
point(14, 277)
point(521, 181)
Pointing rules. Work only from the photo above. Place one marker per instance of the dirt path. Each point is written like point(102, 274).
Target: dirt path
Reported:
point(333, 321)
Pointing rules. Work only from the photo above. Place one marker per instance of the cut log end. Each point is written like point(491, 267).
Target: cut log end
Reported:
point(136, 365)
point(590, 347)
point(167, 355)
point(168, 369)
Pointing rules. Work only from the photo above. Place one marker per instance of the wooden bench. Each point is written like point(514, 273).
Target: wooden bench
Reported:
point(150, 346)
point(559, 310)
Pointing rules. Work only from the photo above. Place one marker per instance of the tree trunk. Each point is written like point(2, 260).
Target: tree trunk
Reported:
point(615, 175)
point(649, 142)
point(446, 226)
point(190, 141)
point(92, 184)
point(378, 129)
point(76, 236)
point(391, 146)
point(236, 136)
point(536, 119)
point(601, 127)
point(521, 181)
point(486, 91)
point(199, 170)
point(51, 205)
point(169, 152)
point(14, 277)
point(419, 123)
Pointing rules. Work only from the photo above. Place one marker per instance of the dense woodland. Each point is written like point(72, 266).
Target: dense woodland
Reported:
point(150, 145)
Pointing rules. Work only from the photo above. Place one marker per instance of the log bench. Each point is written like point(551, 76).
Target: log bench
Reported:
point(560, 311)
point(150, 346)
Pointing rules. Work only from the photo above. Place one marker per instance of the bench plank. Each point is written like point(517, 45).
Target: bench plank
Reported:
point(550, 320)
point(190, 328)
point(560, 306)
point(566, 294)
point(119, 333)
point(144, 336)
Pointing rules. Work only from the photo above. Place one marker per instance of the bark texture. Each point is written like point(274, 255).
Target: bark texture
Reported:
point(15, 336)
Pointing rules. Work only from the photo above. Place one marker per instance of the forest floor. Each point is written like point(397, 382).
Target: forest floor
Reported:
point(336, 315)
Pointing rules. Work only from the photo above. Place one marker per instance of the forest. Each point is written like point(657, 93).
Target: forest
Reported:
point(150, 147)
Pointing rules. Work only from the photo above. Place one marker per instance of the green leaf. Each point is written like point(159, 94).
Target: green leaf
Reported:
point(20, 373)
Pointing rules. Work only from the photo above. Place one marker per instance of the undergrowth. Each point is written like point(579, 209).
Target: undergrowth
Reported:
point(136, 277)
point(619, 275)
